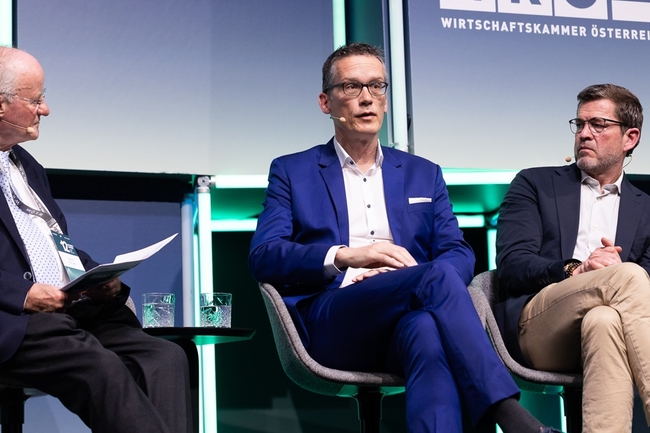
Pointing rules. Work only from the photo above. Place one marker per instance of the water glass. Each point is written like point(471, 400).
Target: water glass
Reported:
point(158, 310)
point(216, 310)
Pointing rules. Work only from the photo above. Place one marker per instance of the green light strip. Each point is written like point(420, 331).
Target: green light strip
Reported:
point(240, 181)
point(230, 225)
point(398, 91)
point(338, 23)
point(492, 248)
point(453, 176)
point(249, 224)
point(208, 389)
point(6, 21)
point(477, 177)
point(467, 221)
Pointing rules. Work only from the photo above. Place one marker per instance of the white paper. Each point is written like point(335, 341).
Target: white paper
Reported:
point(144, 253)
point(103, 273)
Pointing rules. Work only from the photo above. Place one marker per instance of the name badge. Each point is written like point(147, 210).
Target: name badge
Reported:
point(68, 254)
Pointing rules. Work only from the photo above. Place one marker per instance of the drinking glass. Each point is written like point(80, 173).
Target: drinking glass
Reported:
point(216, 309)
point(158, 310)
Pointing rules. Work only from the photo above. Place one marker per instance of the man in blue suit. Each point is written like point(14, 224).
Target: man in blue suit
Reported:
point(573, 251)
point(92, 355)
point(362, 243)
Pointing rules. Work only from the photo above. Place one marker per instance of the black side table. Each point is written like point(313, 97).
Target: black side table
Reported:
point(191, 337)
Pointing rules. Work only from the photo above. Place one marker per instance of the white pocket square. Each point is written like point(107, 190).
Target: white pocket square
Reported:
point(413, 200)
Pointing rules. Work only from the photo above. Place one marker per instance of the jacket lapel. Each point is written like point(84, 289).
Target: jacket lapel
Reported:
point(7, 219)
point(629, 217)
point(567, 200)
point(332, 174)
point(393, 178)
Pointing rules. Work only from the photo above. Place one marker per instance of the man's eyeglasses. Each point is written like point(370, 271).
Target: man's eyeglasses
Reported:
point(353, 88)
point(33, 102)
point(596, 124)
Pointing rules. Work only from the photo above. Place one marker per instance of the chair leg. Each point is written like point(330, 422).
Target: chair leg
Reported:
point(369, 402)
point(573, 409)
point(12, 411)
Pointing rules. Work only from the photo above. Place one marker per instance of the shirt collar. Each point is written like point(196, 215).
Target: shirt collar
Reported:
point(345, 158)
point(614, 188)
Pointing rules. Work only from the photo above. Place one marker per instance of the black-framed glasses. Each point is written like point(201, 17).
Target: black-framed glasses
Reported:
point(354, 88)
point(596, 124)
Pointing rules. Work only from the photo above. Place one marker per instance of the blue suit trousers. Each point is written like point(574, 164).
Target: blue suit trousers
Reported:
point(418, 322)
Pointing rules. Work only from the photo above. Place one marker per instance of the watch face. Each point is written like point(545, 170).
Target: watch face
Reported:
point(570, 267)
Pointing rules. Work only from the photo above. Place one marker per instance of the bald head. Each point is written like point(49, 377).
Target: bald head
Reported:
point(21, 97)
point(15, 67)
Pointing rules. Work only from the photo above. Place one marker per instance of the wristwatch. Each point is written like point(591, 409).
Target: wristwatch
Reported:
point(570, 266)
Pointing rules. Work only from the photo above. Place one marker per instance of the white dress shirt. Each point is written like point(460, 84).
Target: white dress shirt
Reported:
point(598, 215)
point(28, 196)
point(367, 215)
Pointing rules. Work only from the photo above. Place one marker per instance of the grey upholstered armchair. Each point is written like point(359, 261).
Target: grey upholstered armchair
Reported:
point(367, 388)
point(484, 290)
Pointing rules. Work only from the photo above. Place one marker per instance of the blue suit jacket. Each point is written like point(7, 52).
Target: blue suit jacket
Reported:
point(305, 213)
point(15, 272)
point(537, 231)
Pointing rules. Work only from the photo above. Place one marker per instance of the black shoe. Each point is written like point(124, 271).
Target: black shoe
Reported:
point(549, 430)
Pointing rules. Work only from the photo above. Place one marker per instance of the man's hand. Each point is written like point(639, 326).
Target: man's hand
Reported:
point(377, 255)
point(370, 273)
point(105, 292)
point(604, 256)
point(44, 298)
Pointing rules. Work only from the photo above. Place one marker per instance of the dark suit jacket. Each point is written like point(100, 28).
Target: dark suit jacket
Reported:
point(15, 272)
point(537, 231)
point(305, 213)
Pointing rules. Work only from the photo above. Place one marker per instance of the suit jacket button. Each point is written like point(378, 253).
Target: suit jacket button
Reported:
point(27, 275)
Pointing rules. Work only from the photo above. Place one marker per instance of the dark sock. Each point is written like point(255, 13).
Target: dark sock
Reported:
point(513, 417)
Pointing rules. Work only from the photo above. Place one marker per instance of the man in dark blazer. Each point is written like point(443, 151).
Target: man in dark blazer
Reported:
point(573, 251)
point(91, 354)
point(362, 243)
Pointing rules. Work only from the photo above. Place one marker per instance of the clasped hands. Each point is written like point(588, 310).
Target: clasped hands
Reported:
point(379, 257)
point(44, 298)
point(607, 255)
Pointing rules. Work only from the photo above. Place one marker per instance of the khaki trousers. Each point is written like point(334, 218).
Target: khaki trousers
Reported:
point(597, 322)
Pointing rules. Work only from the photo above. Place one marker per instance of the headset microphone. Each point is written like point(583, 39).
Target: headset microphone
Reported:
point(340, 119)
point(27, 129)
point(630, 155)
point(568, 158)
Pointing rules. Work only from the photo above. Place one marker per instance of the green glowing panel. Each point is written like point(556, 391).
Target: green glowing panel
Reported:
point(236, 203)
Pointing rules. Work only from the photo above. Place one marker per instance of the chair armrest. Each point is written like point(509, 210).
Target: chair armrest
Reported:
point(529, 379)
